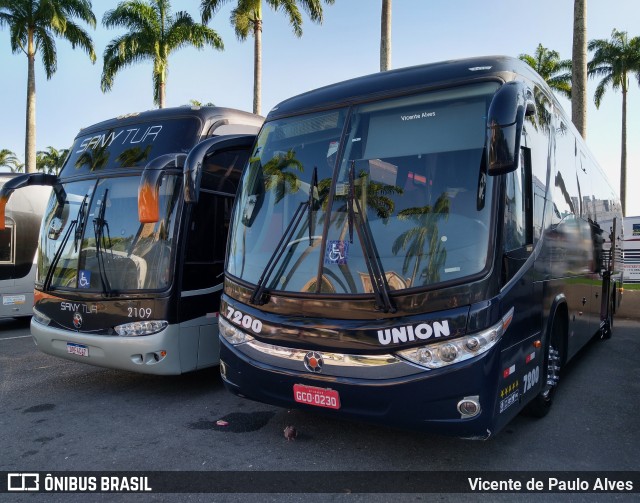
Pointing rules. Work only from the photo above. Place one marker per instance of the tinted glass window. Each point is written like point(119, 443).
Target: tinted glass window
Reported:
point(221, 170)
point(131, 146)
point(206, 242)
point(6, 245)
point(104, 245)
point(412, 170)
point(514, 210)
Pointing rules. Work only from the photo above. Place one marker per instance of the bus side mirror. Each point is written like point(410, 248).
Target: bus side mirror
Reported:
point(509, 106)
point(24, 181)
point(149, 188)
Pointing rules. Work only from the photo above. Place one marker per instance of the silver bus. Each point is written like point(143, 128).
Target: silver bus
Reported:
point(18, 244)
point(132, 243)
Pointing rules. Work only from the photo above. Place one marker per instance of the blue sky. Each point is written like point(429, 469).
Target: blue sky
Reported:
point(345, 46)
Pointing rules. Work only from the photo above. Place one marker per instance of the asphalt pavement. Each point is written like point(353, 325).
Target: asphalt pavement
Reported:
point(58, 415)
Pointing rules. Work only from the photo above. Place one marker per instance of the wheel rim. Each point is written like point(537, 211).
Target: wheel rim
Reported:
point(553, 371)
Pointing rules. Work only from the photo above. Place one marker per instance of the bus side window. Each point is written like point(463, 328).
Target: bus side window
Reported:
point(210, 219)
point(7, 239)
point(518, 216)
point(514, 211)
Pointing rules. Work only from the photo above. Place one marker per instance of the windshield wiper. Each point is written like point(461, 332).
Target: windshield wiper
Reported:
point(75, 224)
point(99, 225)
point(47, 280)
point(309, 206)
point(258, 292)
point(371, 257)
point(314, 197)
point(80, 223)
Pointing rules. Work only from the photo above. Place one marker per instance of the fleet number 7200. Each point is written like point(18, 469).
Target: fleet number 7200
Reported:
point(244, 320)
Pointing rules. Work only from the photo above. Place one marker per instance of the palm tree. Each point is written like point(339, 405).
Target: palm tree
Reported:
point(280, 181)
point(154, 33)
point(247, 17)
point(385, 36)
point(9, 160)
point(197, 103)
point(550, 67)
point(423, 235)
point(51, 160)
point(579, 67)
point(95, 159)
point(33, 25)
point(614, 61)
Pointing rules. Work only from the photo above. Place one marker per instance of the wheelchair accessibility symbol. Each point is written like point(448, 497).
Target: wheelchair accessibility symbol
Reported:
point(84, 279)
point(336, 253)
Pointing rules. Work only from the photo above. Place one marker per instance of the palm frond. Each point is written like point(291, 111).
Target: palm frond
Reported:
point(47, 47)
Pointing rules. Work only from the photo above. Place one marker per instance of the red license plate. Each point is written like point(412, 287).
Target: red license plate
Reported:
point(320, 397)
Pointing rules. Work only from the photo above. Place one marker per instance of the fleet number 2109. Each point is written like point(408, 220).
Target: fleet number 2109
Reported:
point(140, 312)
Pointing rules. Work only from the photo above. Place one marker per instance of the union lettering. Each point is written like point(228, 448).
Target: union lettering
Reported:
point(410, 333)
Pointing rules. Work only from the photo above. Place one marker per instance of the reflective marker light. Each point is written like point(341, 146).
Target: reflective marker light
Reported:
point(441, 354)
point(40, 318)
point(232, 334)
point(137, 328)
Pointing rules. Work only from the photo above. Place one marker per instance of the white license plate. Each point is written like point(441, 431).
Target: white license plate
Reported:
point(77, 349)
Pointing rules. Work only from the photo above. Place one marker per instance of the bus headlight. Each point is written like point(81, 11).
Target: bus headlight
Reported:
point(231, 334)
point(40, 318)
point(440, 354)
point(137, 328)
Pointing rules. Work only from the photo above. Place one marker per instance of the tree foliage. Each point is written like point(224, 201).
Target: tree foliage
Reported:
point(51, 160)
point(555, 71)
point(9, 160)
point(33, 27)
point(246, 18)
point(614, 61)
point(154, 32)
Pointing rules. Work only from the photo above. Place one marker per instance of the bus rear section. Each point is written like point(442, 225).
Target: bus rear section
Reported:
point(132, 242)
point(18, 244)
point(632, 250)
point(404, 250)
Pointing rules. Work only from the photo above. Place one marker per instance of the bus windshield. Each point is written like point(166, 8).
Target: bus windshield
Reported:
point(131, 146)
point(400, 182)
point(95, 243)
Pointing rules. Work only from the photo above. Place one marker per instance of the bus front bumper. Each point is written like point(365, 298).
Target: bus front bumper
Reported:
point(424, 400)
point(157, 353)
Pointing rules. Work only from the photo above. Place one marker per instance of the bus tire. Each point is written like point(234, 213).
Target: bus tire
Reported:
point(541, 404)
point(607, 329)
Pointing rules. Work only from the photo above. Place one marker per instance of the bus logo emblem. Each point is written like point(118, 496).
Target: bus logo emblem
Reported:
point(77, 320)
point(313, 362)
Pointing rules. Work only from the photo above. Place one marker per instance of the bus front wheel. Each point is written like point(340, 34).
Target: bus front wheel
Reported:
point(541, 404)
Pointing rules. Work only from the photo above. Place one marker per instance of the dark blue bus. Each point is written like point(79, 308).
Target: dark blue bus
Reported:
point(425, 247)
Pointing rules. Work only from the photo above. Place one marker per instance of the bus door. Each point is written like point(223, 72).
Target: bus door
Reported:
point(205, 236)
point(591, 246)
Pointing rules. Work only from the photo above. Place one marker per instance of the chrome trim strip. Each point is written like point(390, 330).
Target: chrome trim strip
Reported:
point(377, 367)
point(329, 358)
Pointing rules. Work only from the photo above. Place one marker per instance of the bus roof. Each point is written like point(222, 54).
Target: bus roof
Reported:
point(381, 84)
point(205, 114)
